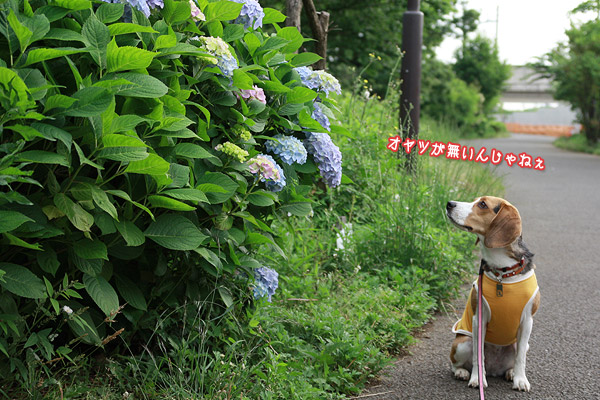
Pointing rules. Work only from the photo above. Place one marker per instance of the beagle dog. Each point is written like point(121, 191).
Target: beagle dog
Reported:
point(510, 294)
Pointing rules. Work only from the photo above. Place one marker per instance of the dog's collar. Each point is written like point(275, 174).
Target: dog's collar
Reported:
point(506, 272)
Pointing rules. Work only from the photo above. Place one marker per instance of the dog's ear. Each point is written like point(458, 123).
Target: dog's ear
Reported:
point(505, 227)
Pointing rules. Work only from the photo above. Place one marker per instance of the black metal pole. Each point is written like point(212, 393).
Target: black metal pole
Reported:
point(410, 105)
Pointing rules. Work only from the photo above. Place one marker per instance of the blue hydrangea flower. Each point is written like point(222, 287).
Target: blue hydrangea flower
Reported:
point(251, 15)
point(143, 5)
point(288, 148)
point(319, 116)
point(220, 50)
point(327, 156)
point(318, 80)
point(267, 281)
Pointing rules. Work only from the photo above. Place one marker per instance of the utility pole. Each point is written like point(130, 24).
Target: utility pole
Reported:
point(410, 104)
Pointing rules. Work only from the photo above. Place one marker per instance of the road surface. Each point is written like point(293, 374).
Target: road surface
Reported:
point(560, 208)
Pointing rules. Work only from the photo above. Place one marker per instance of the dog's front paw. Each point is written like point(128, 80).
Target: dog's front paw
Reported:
point(462, 374)
point(521, 383)
point(474, 382)
point(509, 375)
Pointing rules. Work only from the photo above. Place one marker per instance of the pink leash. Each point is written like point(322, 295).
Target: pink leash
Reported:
point(480, 343)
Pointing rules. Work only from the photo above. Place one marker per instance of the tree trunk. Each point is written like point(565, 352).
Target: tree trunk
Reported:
point(293, 10)
point(319, 25)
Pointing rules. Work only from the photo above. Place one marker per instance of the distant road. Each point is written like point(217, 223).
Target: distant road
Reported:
point(560, 208)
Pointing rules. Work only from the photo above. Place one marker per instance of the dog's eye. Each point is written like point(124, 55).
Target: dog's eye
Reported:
point(482, 205)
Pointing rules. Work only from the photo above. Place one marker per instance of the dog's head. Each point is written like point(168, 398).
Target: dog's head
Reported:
point(494, 220)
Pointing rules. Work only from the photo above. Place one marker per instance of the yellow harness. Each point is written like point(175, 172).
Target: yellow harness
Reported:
point(506, 311)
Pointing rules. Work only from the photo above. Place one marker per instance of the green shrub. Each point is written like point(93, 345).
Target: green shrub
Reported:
point(125, 200)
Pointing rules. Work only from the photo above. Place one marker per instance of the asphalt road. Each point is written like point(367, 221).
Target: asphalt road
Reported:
point(560, 208)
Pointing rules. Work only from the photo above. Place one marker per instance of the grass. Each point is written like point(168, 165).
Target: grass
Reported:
point(577, 143)
point(359, 276)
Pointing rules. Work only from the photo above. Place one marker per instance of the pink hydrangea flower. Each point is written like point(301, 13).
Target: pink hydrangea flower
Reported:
point(254, 93)
point(265, 167)
point(197, 15)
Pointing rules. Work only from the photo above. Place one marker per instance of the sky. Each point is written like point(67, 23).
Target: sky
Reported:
point(526, 28)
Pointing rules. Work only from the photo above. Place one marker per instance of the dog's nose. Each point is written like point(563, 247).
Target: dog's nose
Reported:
point(450, 205)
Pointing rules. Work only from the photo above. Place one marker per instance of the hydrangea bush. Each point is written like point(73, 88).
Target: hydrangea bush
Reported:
point(133, 165)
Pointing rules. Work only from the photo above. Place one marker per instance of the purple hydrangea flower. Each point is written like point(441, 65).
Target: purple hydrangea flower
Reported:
point(319, 116)
point(156, 3)
point(251, 15)
point(268, 171)
point(288, 148)
point(327, 156)
point(319, 80)
point(267, 281)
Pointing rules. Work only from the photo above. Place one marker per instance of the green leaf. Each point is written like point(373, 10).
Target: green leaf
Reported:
point(74, 5)
point(80, 218)
point(10, 220)
point(48, 260)
point(257, 238)
point(22, 32)
point(123, 195)
point(123, 148)
point(233, 32)
point(43, 157)
point(272, 16)
point(165, 41)
point(15, 241)
point(64, 34)
point(220, 180)
point(22, 282)
point(300, 209)
point(96, 37)
point(20, 92)
point(222, 10)
point(58, 101)
point(226, 296)
point(169, 203)
point(108, 13)
point(188, 194)
point(123, 28)
point(151, 165)
point(242, 80)
point(27, 132)
point(301, 94)
point(51, 132)
point(131, 233)
point(102, 293)
point(192, 151)
point(125, 122)
point(92, 101)
point(127, 57)
point(101, 199)
point(261, 198)
point(92, 267)
point(131, 293)
point(136, 85)
point(175, 232)
point(252, 42)
point(176, 11)
point(91, 249)
point(38, 55)
point(293, 35)
point(304, 59)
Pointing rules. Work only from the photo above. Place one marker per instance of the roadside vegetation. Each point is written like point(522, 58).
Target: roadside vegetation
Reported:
point(577, 143)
